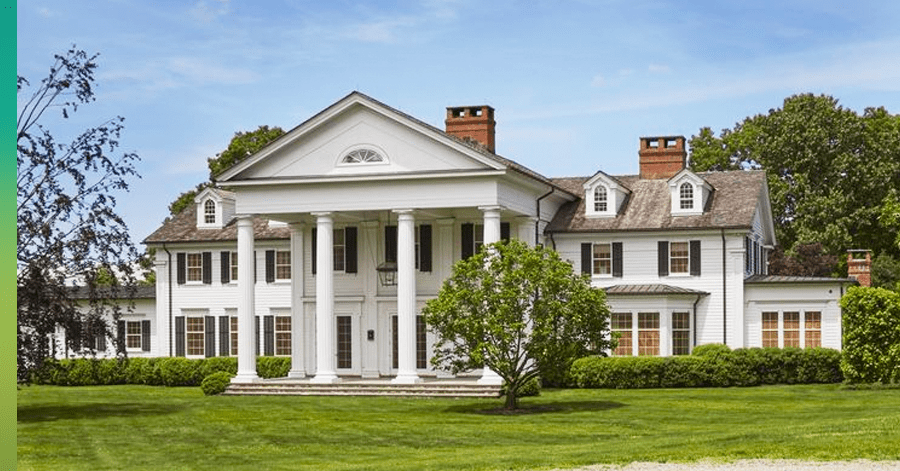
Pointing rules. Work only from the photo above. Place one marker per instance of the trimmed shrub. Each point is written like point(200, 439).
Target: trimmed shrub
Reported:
point(272, 367)
point(179, 371)
point(216, 383)
point(218, 364)
point(713, 350)
point(531, 388)
point(714, 367)
point(871, 326)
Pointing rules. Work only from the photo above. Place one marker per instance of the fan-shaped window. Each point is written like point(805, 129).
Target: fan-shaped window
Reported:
point(686, 194)
point(209, 212)
point(361, 156)
point(600, 199)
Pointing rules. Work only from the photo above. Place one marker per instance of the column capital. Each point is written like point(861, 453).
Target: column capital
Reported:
point(402, 211)
point(244, 219)
point(322, 214)
point(494, 208)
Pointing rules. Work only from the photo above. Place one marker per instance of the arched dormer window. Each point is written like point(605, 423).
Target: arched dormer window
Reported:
point(600, 201)
point(686, 195)
point(362, 156)
point(209, 212)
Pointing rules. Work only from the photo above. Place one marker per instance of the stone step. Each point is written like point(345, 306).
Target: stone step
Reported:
point(305, 389)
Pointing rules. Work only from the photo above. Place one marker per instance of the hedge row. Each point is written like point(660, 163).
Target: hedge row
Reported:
point(175, 371)
point(714, 366)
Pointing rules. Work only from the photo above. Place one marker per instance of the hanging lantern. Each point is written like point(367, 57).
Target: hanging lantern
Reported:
point(387, 273)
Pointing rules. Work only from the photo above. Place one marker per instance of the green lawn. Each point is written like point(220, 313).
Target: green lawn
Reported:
point(142, 427)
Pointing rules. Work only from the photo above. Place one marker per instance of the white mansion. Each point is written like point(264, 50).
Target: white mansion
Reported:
point(325, 245)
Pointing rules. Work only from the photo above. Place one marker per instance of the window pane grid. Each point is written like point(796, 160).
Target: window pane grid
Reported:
point(678, 257)
point(600, 199)
point(194, 267)
point(770, 329)
point(602, 259)
point(234, 266)
point(813, 324)
point(282, 265)
point(339, 249)
point(681, 333)
point(133, 335)
point(282, 335)
point(421, 347)
point(686, 194)
point(234, 335)
point(344, 346)
point(209, 212)
point(791, 329)
point(195, 335)
point(621, 323)
point(648, 333)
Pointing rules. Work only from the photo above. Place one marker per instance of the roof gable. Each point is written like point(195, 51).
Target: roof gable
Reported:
point(317, 147)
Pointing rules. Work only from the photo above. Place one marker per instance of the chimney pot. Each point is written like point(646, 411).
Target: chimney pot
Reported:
point(472, 122)
point(661, 157)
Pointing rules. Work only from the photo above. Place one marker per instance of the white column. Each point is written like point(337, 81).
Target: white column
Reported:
point(526, 230)
point(370, 359)
point(491, 235)
point(325, 341)
point(297, 311)
point(246, 306)
point(406, 298)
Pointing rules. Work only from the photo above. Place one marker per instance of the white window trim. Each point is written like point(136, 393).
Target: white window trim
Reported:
point(680, 274)
point(187, 319)
point(801, 328)
point(593, 259)
point(140, 336)
point(276, 265)
point(187, 269)
point(363, 147)
point(233, 268)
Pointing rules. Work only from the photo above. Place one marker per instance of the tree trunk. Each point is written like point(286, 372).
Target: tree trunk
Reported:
point(512, 400)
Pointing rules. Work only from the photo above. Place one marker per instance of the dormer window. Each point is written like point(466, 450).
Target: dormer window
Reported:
point(600, 200)
point(362, 156)
point(209, 212)
point(686, 196)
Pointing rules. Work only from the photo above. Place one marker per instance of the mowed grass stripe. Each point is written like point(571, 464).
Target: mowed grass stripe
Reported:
point(141, 427)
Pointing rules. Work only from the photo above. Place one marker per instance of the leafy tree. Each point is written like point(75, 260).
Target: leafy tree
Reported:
point(886, 272)
point(66, 220)
point(243, 145)
point(808, 260)
point(830, 170)
point(520, 311)
point(871, 335)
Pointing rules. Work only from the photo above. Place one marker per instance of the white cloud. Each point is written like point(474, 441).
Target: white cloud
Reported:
point(207, 11)
point(598, 81)
point(658, 69)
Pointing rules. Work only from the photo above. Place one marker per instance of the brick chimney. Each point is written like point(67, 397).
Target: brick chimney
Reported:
point(860, 268)
point(662, 157)
point(472, 122)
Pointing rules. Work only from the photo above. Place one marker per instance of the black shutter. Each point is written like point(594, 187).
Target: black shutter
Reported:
point(270, 266)
point(390, 244)
point(269, 335)
point(313, 241)
point(179, 336)
point(225, 272)
point(210, 340)
point(224, 336)
point(350, 250)
point(425, 247)
point(468, 240)
point(145, 336)
point(695, 258)
point(587, 256)
point(181, 267)
point(254, 267)
point(617, 259)
point(120, 332)
point(504, 231)
point(663, 256)
point(207, 268)
point(256, 337)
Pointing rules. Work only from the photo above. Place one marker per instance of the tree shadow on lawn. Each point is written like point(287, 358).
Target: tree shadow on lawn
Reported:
point(560, 407)
point(50, 413)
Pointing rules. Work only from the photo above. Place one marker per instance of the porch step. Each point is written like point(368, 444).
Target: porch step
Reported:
point(358, 389)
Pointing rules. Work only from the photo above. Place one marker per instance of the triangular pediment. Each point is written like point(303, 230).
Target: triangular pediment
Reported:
point(358, 136)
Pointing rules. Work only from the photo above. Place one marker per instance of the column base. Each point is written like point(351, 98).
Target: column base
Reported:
point(325, 378)
point(245, 378)
point(297, 374)
point(406, 378)
point(490, 378)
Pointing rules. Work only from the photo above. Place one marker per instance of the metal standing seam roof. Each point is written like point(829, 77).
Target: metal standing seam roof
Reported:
point(652, 290)
point(771, 279)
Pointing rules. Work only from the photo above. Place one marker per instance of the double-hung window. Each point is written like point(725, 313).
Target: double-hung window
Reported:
point(600, 199)
point(679, 258)
point(681, 333)
point(194, 336)
point(194, 267)
point(621, 324)
point(602, 259)
point(282, 335)
point(686, 196)
point(791, 329)
point(282, 265)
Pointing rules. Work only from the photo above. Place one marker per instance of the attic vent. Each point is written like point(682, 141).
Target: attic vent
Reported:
point(361, 156)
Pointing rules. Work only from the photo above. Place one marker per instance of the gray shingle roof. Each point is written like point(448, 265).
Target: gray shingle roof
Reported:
point(651, 290)
point(733, 203)
point(183, 228)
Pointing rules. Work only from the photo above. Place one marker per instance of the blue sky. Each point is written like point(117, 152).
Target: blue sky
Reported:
point(574, 83)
